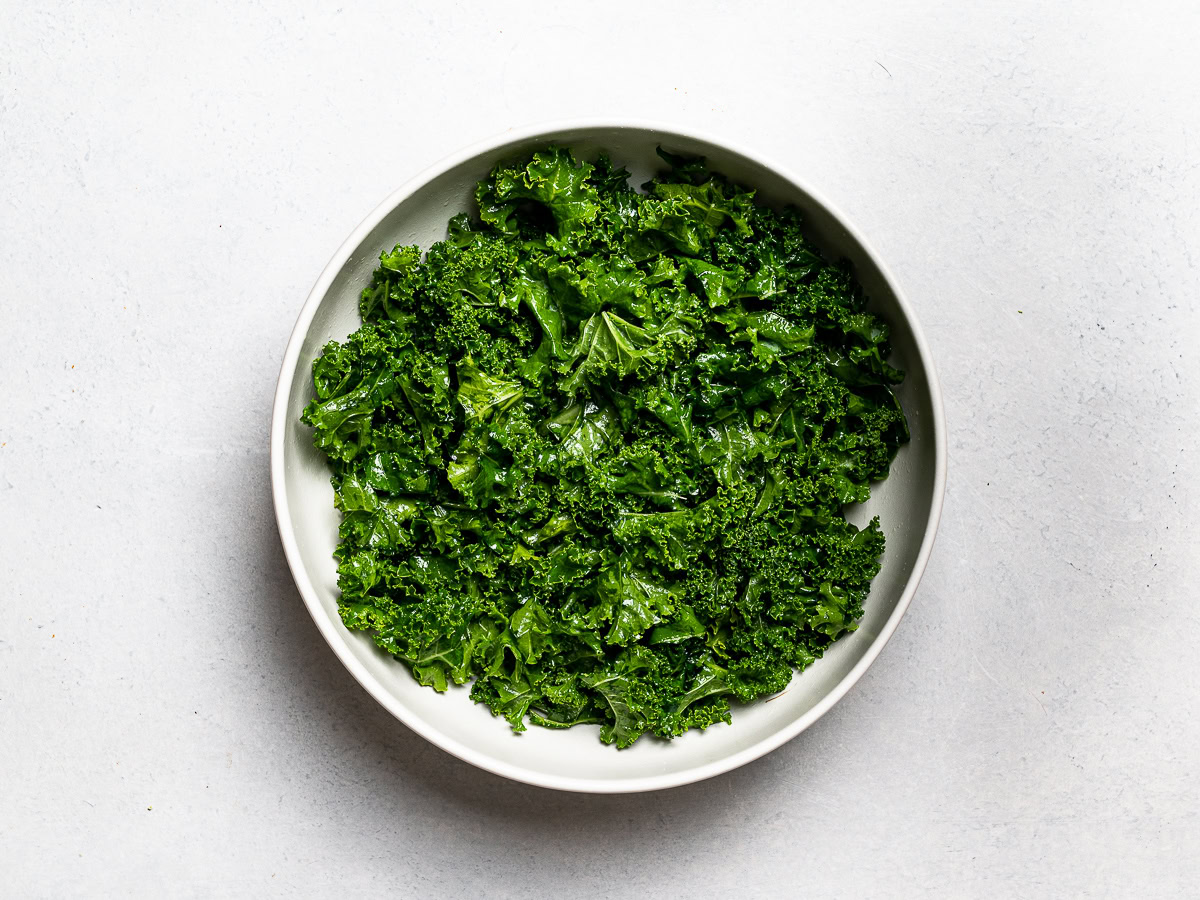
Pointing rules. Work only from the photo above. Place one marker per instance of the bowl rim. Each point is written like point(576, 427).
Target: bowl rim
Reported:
point(329, 626)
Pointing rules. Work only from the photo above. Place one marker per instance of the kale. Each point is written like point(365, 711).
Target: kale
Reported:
point(591, 452)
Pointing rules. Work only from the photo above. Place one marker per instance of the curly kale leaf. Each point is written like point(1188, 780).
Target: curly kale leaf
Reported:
point(591, 452)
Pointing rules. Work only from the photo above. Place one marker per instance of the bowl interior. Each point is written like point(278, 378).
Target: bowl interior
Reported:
point(907, 503)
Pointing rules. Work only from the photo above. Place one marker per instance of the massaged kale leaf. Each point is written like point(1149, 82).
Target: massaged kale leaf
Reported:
point(591, 451)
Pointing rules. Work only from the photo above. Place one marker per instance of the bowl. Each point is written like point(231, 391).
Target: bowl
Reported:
point(908, 503)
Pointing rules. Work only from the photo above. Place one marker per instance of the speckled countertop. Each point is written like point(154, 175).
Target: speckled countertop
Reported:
point(172, 180)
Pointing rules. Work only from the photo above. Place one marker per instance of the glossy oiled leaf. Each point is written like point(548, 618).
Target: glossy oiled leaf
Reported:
point(590, 452)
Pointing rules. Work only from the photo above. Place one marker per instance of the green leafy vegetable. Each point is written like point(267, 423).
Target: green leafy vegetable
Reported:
point(591, 452)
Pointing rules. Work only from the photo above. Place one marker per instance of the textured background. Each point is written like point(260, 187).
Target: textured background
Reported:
point(173, 179)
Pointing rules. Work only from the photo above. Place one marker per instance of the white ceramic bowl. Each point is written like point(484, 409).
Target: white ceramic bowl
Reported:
point(908, 503)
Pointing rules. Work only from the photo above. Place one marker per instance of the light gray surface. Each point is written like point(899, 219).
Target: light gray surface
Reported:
point(172, 181)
